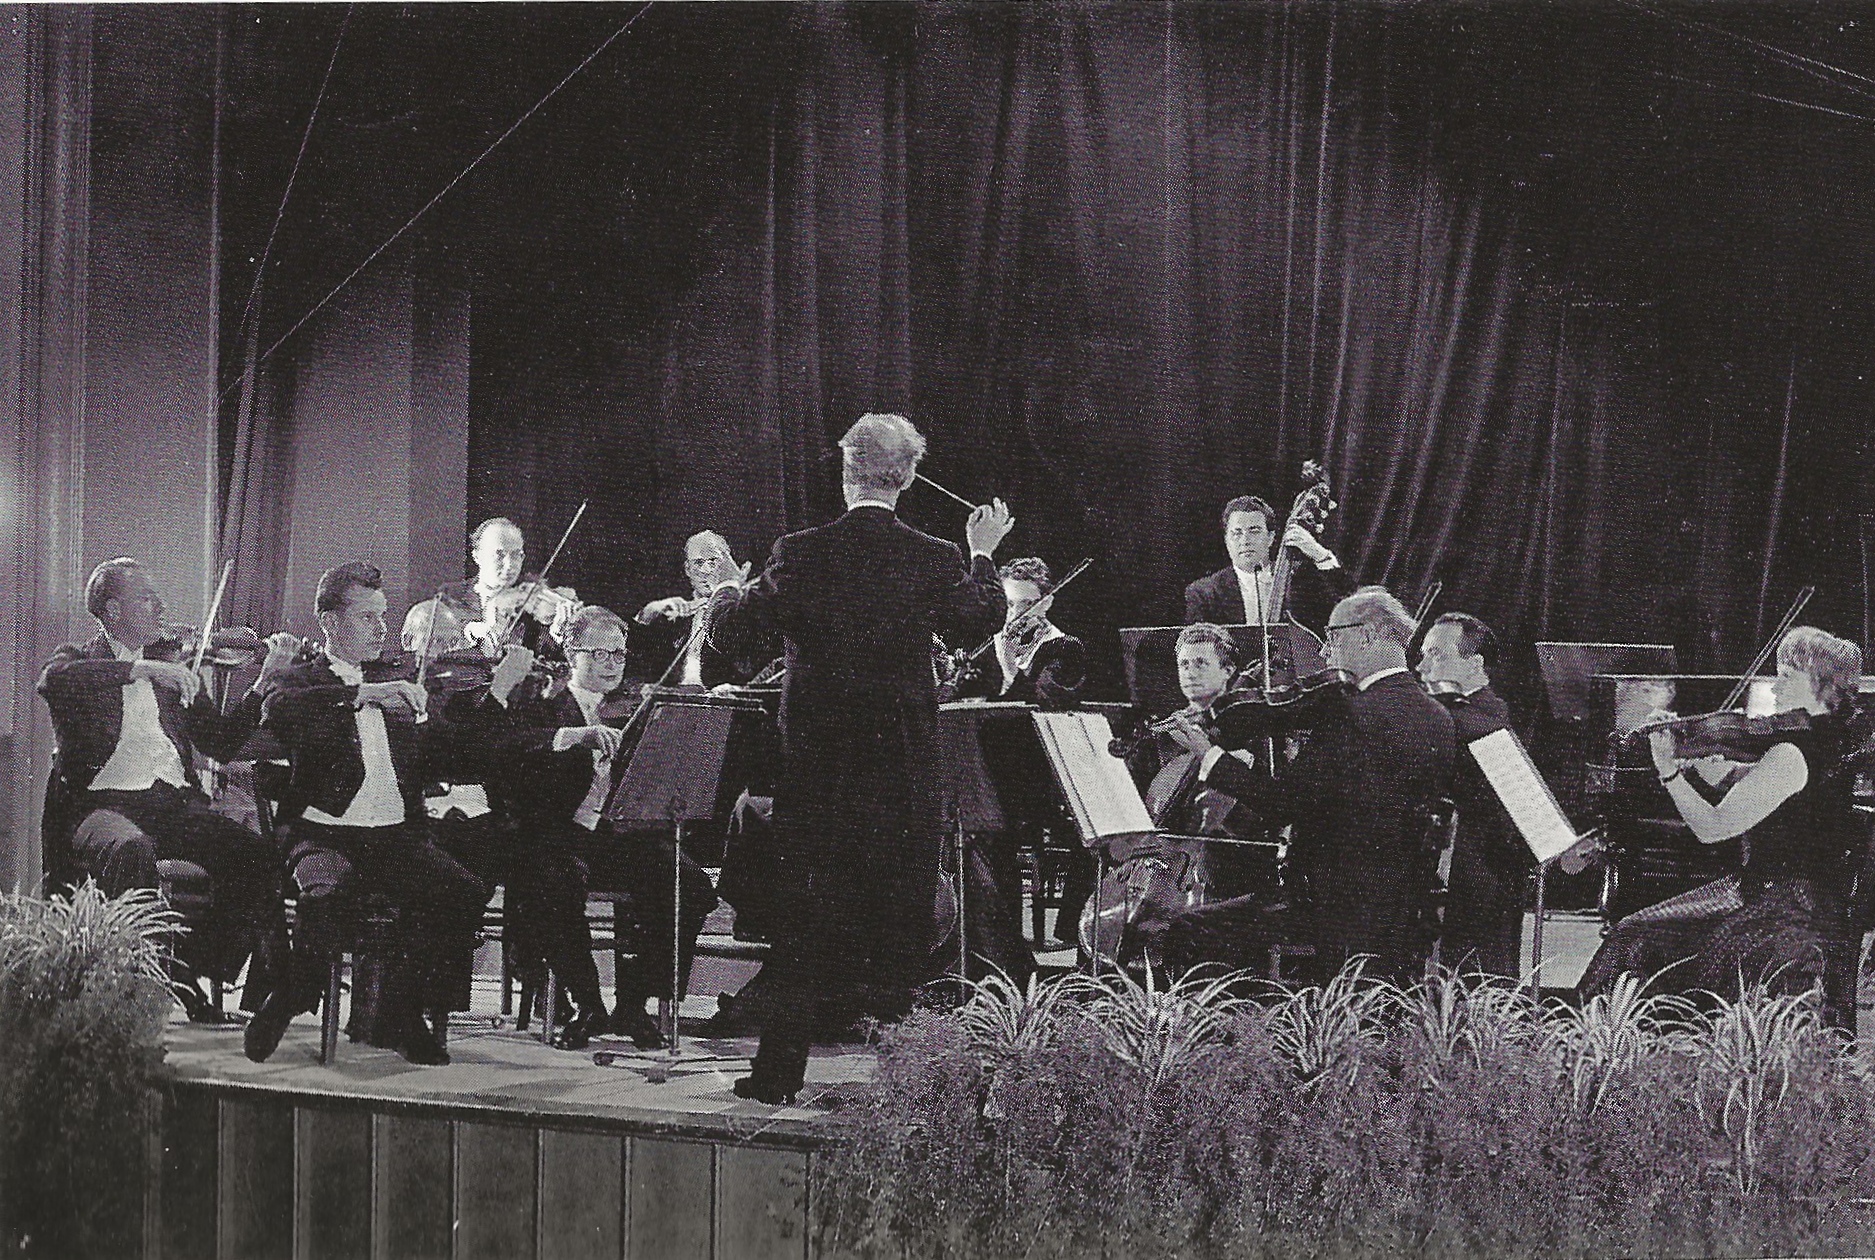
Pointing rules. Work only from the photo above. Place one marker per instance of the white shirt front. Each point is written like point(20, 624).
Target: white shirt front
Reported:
point(587, 815)
point(144, 751)
point(378, 802)
point(1255, 585)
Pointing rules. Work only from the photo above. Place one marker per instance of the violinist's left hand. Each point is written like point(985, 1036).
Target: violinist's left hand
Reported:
point(1191, 737)
point(1660, 743)
point(1308, 544)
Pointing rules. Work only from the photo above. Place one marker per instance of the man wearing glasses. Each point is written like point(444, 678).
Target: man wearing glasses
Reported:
point(708, 563)
point(559, 757)
point(1358, 797)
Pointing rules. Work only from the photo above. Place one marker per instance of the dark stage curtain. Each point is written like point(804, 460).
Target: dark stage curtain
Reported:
point(1121, 263)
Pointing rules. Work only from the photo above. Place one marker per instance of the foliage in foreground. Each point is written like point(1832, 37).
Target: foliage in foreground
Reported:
point(1455, 1118)
point(83, 999)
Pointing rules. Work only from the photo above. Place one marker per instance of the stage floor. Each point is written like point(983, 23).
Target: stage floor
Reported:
point(495, 1069)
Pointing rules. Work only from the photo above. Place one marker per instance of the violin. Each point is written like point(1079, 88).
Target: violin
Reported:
point(1728, 732)
point(232, 647)
point(1244, 714)
point(1126, 745)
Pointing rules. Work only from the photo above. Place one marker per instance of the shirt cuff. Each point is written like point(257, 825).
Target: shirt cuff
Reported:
point(1332, 562)
point(565, 739)
point(1212, 756)
point(986, 555)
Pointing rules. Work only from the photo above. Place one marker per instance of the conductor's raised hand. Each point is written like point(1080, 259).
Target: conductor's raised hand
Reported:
point(988, 525)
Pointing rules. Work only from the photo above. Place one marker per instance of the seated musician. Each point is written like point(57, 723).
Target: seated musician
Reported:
point(561, 759)
point(1038, 662)
point(1358, 797)
point(360, 758)
point(501, 603)
point(129, 718)
point(1783, 917)
point(1242, 594)
point(1483, 925)
point(665, 627)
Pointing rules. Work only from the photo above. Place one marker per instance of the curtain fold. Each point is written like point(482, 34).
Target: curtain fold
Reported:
point(1125, 262)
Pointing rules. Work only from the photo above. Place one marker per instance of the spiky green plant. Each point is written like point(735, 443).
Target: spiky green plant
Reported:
point(1602, 1041)
point(1745, 1053)
point(1006, 1021)
point(1161, 1031)
point(50, 947)
point(1324, 1031)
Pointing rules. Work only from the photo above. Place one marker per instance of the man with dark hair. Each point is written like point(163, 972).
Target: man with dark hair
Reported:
point(558, 759)
point(1041, 664)
point(1243, 594)
point(354, 801)
point(1490, 863)
point(857, 812)
point(128, 718)
point(1358, 797)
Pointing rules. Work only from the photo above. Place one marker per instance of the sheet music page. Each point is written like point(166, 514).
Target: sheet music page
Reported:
point(1526, 797)
point(1094, 782)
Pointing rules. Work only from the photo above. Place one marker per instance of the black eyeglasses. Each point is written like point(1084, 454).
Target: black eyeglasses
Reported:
point(605, 656)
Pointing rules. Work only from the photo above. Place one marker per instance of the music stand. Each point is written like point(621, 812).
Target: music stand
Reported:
point(1567, 668)
point(675, 776)
point(970, 800)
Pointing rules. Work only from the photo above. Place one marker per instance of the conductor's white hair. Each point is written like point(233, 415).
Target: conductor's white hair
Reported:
point(881, 452)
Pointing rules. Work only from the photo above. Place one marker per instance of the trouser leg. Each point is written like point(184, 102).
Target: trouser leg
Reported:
point(640, 864)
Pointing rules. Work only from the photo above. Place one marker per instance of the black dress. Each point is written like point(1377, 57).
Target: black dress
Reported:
point(1778, 918)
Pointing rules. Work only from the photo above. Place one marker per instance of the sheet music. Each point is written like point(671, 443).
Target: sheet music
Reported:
point(1095, 783)
point(1526, 797)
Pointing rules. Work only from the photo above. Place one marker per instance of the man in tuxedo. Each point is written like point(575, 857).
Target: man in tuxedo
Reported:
point(1490, 862)
point(858, 817)
point(477, 607)
point(360, 753)
point(1358, 797)
point(1241, 595)
point(128, 725)
point(558, 760)
point(665, 627)
point(1044, 665)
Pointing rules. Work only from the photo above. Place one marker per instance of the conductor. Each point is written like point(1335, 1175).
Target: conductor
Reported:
point(857, 814)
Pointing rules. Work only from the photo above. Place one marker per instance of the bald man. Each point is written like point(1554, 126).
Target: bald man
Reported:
point(664, 628)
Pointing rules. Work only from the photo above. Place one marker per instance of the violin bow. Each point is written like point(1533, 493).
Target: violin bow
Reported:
point(540, 579)
point(1073, 573)
point(214, 611)
point(1425, 603)
point(1770, 645)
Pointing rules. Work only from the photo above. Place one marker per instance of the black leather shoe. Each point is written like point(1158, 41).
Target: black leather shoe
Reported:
point(629, 1021)
point(756, 1089)
point(202, 1011)
point(580, 1030)
point(264, 1031)
point(418, 1045)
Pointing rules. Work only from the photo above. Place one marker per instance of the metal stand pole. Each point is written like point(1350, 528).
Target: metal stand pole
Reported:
point(963, 937)
point(1536, 937)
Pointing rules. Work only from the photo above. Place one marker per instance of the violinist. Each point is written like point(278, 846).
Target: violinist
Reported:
point(1244, 593)
point(360, 757)
point(1358, 796)
point(129, 717)
point(1038, 662)
point(1783, 917)
point(501, 605)
point(558, 758)
point(1490, 863)
point(669, 625)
